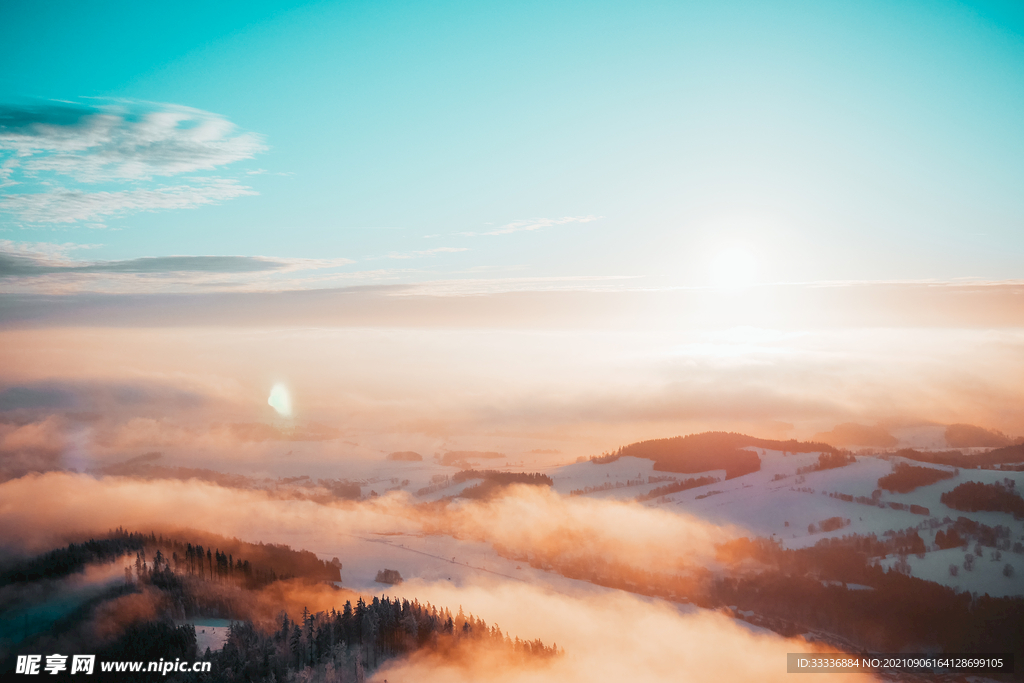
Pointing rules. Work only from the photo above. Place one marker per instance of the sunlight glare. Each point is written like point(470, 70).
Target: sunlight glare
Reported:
point(733, 267)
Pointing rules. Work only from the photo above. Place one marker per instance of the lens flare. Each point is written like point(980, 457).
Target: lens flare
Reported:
point(280, 400)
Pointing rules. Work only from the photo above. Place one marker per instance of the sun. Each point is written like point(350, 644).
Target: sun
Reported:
point(733, 267)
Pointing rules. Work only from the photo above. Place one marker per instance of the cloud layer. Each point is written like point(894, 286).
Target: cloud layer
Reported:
point(95, 390)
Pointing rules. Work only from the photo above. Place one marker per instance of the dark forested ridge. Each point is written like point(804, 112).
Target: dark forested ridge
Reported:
point(196, 553)
point(1009, 455)
point(709, 451)
point(61, 562)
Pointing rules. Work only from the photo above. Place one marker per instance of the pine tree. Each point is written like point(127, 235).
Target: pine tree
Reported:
point(296, 645)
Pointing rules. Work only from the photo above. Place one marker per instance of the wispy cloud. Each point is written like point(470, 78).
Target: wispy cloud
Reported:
point(60, 145)
point(121, 141)
point(70, 206)
point(48, 267)
point(425, 252)
point(531, 224)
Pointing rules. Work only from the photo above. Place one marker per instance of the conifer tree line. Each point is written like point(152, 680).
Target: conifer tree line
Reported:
point(182, 556)
point(61, 562)
point(347, 644)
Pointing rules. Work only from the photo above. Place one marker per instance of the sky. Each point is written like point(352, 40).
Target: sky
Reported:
point(556, 227)
point(536, 146)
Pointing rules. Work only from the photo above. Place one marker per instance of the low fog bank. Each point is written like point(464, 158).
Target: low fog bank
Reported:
point(85, 398)
point(526, 521)
point(474, 305)
point(614, 637)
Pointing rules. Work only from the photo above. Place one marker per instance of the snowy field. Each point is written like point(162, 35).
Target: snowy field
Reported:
point(985, 576)
point(210, 633)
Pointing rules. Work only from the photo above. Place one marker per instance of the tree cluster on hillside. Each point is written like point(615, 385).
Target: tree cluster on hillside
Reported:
point(695, 453)
point(828, 461)
point(966, 436)
point(391, 576)
point(828, 525)
point(404, 456)
point(972, 496)
point(905, 478)
point(342, 488)
point(494, 480)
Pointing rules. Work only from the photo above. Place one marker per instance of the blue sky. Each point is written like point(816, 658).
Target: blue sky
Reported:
point(538, 145)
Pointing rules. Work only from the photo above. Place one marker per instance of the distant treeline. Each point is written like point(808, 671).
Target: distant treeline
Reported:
point(303, 487)
point(494, 480)
point(973, 496)
point(905, 478)
point(876, 501)
point(998, 456)
point(342, 488)
point(503, 477)
point(608, 486)
point(709, 451)
point(462, 457)
point(676, 487)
